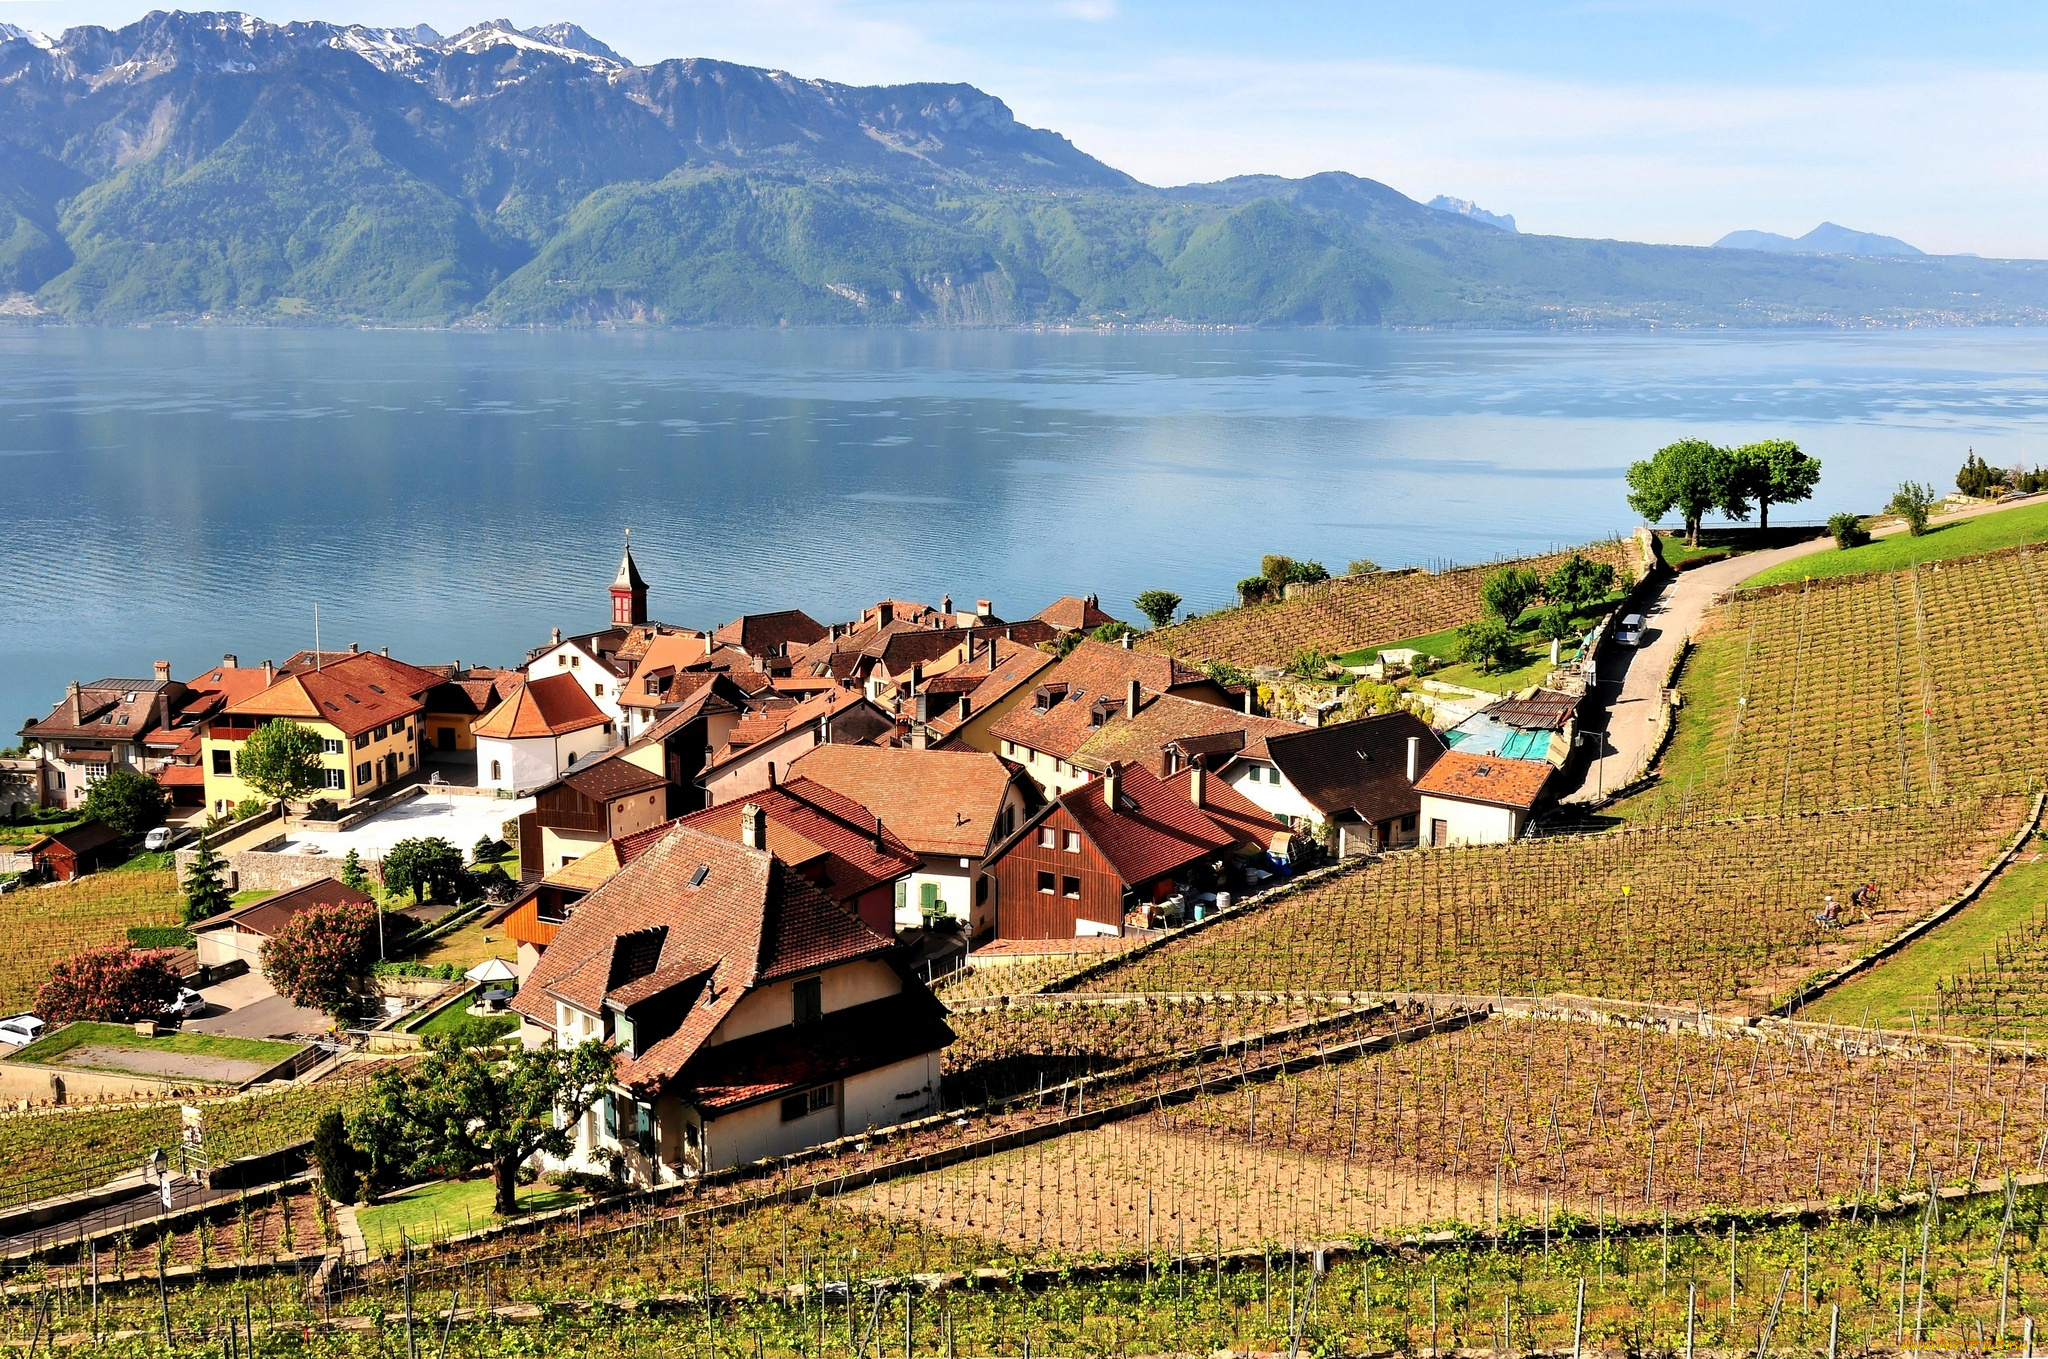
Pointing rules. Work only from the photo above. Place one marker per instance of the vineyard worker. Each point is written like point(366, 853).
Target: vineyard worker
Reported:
point(1830, 916)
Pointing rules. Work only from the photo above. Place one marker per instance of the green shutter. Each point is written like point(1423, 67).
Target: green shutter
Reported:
point(902, 894)
point(928, 896)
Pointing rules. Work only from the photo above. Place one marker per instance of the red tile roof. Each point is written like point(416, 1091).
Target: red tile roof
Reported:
point(832, 839)
point(748, 920)
point(1486, 778)
point(1154, 829)
point(939, 801)
point(762, 634)
point(1071, 613)
point(359, 691)
point(553, 706)
point(1164, 719)
point(268, 916)
point(1094, 670)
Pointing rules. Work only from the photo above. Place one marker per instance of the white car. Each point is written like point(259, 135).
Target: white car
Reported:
point(1631, 631)
point(20, 1030)
point(157, 839)
point(188, 1004)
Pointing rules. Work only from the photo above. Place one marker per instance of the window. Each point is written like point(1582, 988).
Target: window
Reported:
point(928, 897)
point(1070, 888)
point(362, 740)
point(1045, 884)
point(611, 1114)
point(379, 734)
point(562, 661)
point(643, 1127)
point(981, 891)
point(809, 995)
point(902, 894)
point(328, 747)
point(576, 662)
point(497, 771)
point(334, 778)
point(622, 1034)
point(1072, 842)
point(223, 762)
point(810, 1102)
point(1048, 838)
point(362, 773)
point(597, 691)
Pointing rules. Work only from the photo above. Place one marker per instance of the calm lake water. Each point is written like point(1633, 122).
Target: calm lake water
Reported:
point(178, 494)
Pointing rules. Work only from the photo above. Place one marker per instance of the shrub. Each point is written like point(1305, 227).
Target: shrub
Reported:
point(250, 806)
point(1979, 478)
point(1913, 502)
point(1361, 566)
point(116, 984)
point(322, 958)
point(160, 936)
point(1487, 644)
point(1309, 664)
point(1556, 623)
point(1254, 589)
point(341, 1173)
point(128, 801)
point(1847, 530)
point(424, 866)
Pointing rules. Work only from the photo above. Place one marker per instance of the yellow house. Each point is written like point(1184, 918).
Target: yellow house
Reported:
point(364, 707)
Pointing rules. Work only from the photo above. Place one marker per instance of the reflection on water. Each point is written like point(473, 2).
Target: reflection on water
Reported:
point(176, 494)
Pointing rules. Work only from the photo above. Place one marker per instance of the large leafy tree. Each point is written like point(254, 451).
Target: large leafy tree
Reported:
point(206, 893)
point(1773, 472)
point(281, 760)
point(1691, 476)
point(1508, 591)
point(1158, 606)
point(116, 983)
point(129, 801)
point(422, 865)
point(1486, 643)
point(1578, 581)
point(468, 1107)
point(323, 958)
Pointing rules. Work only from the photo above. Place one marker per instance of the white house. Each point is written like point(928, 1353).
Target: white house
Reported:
point(755, 1017)
point(1356, 778)
point(1479, 799)
point(586, 660)
point(538, 734)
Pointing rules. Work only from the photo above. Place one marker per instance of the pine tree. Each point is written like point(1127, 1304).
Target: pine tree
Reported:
point(206, 894)
point(353, 873)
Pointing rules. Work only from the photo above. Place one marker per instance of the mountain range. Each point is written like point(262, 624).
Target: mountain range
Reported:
point(220, 167)
point(1825, 239)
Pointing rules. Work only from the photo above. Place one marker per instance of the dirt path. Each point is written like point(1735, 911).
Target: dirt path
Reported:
point(178, 1065)
point(1627, 695)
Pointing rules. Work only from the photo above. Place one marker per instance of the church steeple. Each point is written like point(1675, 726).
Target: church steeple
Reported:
point(629, 591)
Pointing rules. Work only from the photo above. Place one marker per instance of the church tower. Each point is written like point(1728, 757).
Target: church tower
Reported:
point(629, 591)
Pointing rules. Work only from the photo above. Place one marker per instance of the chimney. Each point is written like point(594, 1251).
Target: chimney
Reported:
point(754, 826)
point(984, 608)
point(455, 670)
point(945, 603)
point(991, 655)
point(71, 695)
point(231, 661)
point(1109, 787)
point(1126, 640)
point(554, 637)
point(1248, 700)
point(1131, 699)
point(384, 651)
point(707, 643)
point(353, 648)
point(163, 670)
point(885, 614)
point(269, 674)
point(922, 707)
point(1414, 756)
point(920, 736)
point(1198, 784)
point(966, 706)
point(878, 835)
point(761, 664)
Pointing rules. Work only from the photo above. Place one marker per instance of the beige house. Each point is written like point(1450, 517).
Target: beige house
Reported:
point(1479, 799)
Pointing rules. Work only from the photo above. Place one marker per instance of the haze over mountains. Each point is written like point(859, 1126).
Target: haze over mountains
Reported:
point(1825, 239)
point(219, 166)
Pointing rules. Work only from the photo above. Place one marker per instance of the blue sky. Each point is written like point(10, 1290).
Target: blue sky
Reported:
point(1636, 119)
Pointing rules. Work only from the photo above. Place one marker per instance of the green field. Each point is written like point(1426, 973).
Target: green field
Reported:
point(1902, 988)
point(51, 1047)
point(445, 1208)
point(1959, 538)
point(1443, 645)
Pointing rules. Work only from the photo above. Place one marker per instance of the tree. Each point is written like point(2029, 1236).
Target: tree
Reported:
point(1691, 476)
point(1773, 471)
point(353, 874)
point(1112, 632)
point(205, 893)
point(1486, 643)
point(1556, 623)
point(1281, 572)
point(127, 800)
point(1361, 566)
point(1310, 664)
point(422, 865)
point(115, 983)
point(341, 1170)
point(461, 1109)
point(1508, 591)
point(1979, 478)
point(281, 760)
point(322, 958)
point(1913, 502)
point(1254, 590)
point(1158, 606)
point(1577, 582)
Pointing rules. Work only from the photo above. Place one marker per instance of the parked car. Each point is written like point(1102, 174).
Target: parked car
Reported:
point(188, 1004)
point(1631, 631)
point(158, 839)
point(20, 1030)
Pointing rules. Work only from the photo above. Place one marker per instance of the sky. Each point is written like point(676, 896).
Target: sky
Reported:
point(1652, 120)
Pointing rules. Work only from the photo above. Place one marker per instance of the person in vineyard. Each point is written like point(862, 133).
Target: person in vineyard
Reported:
point(1830, 917)
point(1863, 898)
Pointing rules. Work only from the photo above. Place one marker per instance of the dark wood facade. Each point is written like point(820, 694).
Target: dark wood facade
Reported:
point(1083, 884)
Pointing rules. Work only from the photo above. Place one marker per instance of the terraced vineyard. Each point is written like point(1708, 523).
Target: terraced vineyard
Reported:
point(1700, 914)
point(41, 925)
point(1345, 614)
point(1891, 688)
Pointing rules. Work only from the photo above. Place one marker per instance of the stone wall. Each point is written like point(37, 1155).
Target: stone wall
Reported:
point(259, 870)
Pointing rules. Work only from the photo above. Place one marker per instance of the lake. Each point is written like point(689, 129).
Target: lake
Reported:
point(177, 494)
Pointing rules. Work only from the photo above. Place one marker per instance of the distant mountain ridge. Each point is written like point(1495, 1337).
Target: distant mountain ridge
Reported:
point(220, 167)
point(1465, 207)
point(1825, 239)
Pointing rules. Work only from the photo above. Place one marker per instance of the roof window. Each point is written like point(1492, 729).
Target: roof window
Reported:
point(703, 872)
point(375, 689)
point(353, 699)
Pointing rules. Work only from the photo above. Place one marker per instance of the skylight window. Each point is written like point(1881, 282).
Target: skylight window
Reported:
point(703, 872)
point(375, 689)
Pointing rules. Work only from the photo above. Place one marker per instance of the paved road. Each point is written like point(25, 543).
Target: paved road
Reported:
point(1629, 688)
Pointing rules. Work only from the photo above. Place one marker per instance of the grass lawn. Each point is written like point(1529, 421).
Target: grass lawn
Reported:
point(446, 1208)
point(450, 1016)
point(52, 1046)
point(1900, 986)
point(469, 946)
point(1959, 538)
point(1443, 645)
point(18, 831)
point(244, 898)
